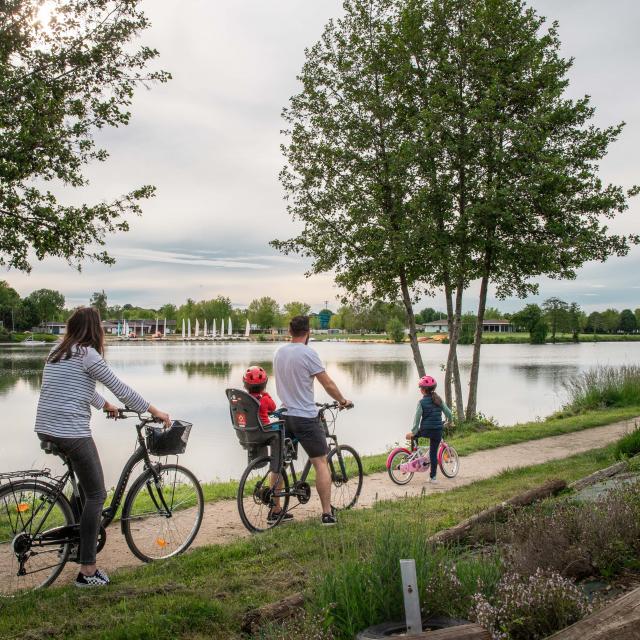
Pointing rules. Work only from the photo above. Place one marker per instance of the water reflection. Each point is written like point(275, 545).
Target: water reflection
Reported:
point(202, 369)
point(15, 368)
point(363, 371)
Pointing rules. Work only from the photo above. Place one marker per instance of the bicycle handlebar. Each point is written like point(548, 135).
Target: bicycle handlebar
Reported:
point(125, 412)
point(334, 405)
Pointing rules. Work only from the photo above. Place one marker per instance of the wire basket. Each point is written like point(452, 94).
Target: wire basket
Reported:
point(168, 442)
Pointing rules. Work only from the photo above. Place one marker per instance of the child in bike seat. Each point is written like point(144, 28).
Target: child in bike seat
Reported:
point(255, 382)
point(428, 422)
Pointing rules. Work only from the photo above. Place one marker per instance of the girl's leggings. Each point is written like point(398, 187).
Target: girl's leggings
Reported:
point(435, 437)
point(86, 463)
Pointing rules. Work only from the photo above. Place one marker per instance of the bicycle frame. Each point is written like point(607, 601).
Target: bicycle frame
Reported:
point(413, 450)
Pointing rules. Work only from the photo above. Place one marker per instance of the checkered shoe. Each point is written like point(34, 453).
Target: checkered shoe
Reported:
point(98, 579)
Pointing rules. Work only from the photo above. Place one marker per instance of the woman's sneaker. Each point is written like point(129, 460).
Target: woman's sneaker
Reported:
point(328, 519)
point(272, 518)
point(98, 579)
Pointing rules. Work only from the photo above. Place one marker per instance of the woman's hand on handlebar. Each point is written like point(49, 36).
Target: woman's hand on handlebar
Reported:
point(345, 404)
point(160, 416)
point(111, 410)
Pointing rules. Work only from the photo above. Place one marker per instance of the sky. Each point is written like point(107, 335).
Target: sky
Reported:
point(209, 141)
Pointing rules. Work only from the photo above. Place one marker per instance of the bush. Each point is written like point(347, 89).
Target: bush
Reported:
point(5, 336)
point(530, 607)
point(395, 330)
point(539, 332)
point(603, 387)
point(629, 445)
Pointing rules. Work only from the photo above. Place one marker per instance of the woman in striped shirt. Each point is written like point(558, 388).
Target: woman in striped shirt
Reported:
point(64, 414)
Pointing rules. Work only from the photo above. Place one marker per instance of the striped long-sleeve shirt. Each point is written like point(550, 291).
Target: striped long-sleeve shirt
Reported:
point(69, 391)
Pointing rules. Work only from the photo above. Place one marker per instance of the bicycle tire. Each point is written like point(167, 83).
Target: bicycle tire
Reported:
point(256, 520)
point(405, 478)
point(8, 561)
point(137, 523)
point(452, 454)
point(338, 481)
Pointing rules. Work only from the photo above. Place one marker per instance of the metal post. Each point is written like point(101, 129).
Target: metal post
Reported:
point(411, 597)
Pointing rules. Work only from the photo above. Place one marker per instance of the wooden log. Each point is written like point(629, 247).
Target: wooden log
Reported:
point(273, 612)
point(620, 621)
point(459, 531)
point(603, 474)
point(462, 632)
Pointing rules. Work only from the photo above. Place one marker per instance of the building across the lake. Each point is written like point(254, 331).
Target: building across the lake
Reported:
point(488, 326)
point(114, 327)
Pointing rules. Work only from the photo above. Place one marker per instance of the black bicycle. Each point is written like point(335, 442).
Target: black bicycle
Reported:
point(258, 490)
point(39, 513)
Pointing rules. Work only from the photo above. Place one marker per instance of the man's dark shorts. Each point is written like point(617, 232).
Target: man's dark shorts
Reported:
point(309, 432)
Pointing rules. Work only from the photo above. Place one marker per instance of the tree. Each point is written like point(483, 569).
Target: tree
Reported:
point(594, 323)
point(610, 320)
point(292, 309)
point(168, 311)
point(636, 313)
point(9, 304)
point(556, 315)
point(539, 332)
point(527, 318)
point(264, 312)
point(491, 313)
point(429, 315)
point(395, 330)
point(348, 178)
point(47, 304)
point(628, 323)
point(576, 320)
point(99, 301)
point(58, 84)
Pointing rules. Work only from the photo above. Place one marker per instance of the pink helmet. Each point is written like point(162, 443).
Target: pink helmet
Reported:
point(427, 382)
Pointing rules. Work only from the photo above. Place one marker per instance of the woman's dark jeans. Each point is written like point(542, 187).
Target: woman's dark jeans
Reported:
point(435, 437)
point(86, 463)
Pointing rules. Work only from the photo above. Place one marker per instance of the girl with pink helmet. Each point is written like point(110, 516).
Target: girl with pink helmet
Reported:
point(428, 422)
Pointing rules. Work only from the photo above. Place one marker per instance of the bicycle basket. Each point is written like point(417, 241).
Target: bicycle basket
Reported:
point(168, 442)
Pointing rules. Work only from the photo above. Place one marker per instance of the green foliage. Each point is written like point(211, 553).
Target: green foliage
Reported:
point(264, 312)
point(628, 323)
point(604, 387)
point(556, 315)
point(292, 309)
point(629, 445)
point(58, 84)
point(395, 330)
point(527, 318)
point(539, 332)
point(99, 301)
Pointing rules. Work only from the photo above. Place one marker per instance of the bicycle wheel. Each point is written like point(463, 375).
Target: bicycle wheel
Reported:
point(346, 474)
point(154, 532)
point(27, 510)
point(398, 476)
point(449, 462)
point(255, 495)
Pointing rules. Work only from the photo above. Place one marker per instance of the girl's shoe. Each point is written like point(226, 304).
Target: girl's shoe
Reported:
point(433, 480)
point(98, 579)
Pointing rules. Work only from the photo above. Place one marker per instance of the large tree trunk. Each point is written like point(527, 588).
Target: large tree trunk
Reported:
point(477, 344)
point(411, 319)
point(448, 373)
point(456, 369)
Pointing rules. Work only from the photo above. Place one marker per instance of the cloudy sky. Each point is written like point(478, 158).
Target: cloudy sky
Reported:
point(209, 140)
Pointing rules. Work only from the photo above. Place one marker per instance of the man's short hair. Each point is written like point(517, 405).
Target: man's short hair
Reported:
point(299, 326)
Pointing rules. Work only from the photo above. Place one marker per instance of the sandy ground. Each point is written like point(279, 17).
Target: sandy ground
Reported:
point(222, 524)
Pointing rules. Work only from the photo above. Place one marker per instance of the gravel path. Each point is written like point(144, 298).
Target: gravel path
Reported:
point(221, 522)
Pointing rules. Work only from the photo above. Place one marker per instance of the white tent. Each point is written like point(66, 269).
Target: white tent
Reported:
point(222, 328)
point(247, 329)
point(205, 328)
point(229, 327)
point(183, 333)
point(213, 331)
point(197, 327)
point(188, 327)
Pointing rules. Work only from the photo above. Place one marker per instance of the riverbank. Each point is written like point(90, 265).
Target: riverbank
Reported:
point(207, 592)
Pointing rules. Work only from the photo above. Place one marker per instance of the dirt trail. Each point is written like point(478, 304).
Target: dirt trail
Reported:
point(221, 522)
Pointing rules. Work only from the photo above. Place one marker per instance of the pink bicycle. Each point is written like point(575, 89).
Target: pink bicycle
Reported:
point(403, 462)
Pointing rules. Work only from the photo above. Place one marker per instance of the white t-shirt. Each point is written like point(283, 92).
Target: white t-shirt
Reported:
point(295, 364)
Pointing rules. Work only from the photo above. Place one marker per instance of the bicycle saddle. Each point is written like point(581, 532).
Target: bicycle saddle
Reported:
point(50, 448)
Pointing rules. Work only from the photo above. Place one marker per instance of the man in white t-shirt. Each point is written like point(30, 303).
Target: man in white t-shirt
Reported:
point(296, 367)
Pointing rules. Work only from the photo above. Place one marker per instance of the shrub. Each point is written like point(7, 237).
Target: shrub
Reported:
point(395, 330)
point(530, 607)
point(629, 445)
point(602, 387)
point(539, 332)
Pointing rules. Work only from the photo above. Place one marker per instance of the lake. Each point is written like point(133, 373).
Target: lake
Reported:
point(517, 383)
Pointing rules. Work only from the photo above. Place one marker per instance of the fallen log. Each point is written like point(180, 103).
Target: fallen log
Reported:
point(460, 531)
point(274, 612)
point(597, 476)
point(462, 632)
point(619, 620)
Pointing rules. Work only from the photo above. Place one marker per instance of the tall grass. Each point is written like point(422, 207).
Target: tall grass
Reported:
point(366, 587)
point(603, 387)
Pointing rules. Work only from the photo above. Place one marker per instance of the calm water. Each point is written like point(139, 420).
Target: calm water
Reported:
point(517, 383)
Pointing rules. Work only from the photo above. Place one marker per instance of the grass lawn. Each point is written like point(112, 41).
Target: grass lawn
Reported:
point(205, 593)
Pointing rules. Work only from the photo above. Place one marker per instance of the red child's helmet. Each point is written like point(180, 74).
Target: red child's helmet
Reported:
point(255, 375)
point(427, 382)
